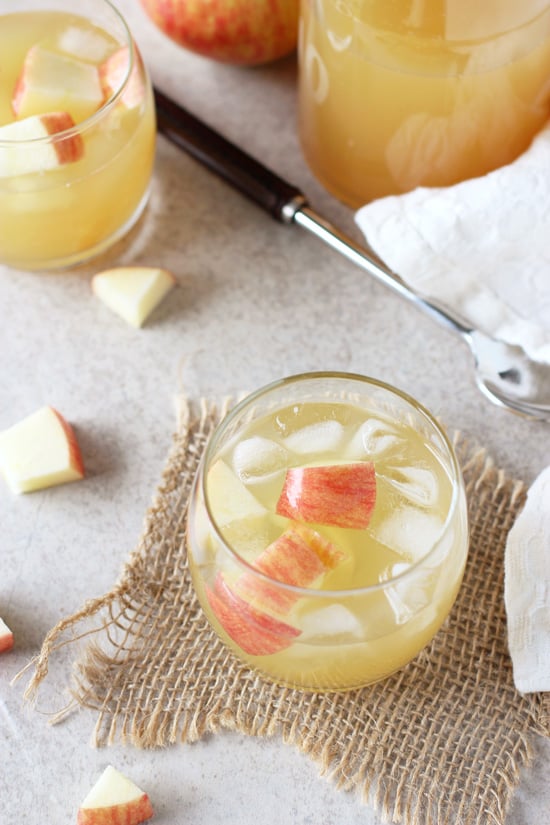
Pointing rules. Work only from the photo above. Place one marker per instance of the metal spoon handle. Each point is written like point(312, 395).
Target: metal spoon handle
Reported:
point(284, 201)
point(224, 158)
point(371, 263)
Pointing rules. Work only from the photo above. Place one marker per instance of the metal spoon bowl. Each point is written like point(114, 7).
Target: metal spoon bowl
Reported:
point(509, 378)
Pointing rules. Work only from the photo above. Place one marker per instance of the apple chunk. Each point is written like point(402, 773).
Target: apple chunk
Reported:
point(251, 629)
point(19, 157)
point(230, 500)
point(50, 81)
point(114, 800)
point(299, 557)
point(6, 637)
point(40, 451)
point(340, 495)
point(133, 292)
point(83, 43)
point(243, 521)
point(113, 72)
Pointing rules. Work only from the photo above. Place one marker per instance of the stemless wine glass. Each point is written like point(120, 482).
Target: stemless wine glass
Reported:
point(327, 530)
point(77, 131)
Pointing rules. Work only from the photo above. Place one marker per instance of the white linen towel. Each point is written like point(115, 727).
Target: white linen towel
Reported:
point(527, 589)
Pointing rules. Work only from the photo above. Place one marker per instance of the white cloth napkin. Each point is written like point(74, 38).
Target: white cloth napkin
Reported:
point(483, 247)
point(527, 589)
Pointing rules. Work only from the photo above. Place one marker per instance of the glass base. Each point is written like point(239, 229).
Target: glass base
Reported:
point(84, 256)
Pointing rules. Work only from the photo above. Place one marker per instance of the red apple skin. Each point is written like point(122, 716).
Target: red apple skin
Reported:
point(253, 631)
point(241, 32)
point(112, 72)
point(298, 557)
point(6, 642)
point(18, 93)
point(341, 495)
point(68, 148)
point(132, 813)
point(74, 449)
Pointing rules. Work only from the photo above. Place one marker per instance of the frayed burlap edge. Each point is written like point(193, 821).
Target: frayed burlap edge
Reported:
point(441, 742)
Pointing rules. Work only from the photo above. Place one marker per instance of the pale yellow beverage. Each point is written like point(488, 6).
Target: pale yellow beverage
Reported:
point(69, 193)
point(327, 531)
point(399, 94)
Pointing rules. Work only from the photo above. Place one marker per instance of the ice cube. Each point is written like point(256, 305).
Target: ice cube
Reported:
point(332, 621)
point(410, 532)
point(412, 593)
point(373, 438)
point(321, 437)
point(418, 484)
point(83, 43)
point(228, 497)
point(250, 536)
point(256, 458)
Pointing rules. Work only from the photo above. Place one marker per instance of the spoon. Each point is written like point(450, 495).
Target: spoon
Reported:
point(504, 372)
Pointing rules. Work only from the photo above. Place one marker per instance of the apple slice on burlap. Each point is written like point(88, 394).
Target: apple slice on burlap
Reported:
point(338, 495)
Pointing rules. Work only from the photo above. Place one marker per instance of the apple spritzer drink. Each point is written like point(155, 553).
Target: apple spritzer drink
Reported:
point(327, 530)
point(77, 131)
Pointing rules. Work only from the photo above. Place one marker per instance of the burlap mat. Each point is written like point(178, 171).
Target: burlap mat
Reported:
point(440, 743)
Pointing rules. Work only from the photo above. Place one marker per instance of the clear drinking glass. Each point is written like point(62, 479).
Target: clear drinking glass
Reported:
point(327, 530)
point(395, 95)
point(77, 131)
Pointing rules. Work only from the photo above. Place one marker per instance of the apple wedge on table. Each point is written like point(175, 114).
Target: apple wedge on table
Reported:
point(40, 451)
point(114, 800)
point(133, 292)
point(6, 637)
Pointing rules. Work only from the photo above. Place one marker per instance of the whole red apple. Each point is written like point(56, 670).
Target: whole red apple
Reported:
point(243, 32)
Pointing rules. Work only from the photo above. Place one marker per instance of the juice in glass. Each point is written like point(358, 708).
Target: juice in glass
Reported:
point(327, 530)
point(77, 131)
point(395, 94)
